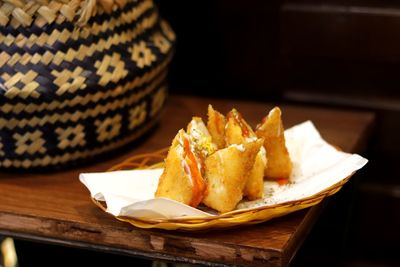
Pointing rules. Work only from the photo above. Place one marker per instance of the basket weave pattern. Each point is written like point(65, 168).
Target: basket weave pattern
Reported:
point(226, 220)
point(78, 78)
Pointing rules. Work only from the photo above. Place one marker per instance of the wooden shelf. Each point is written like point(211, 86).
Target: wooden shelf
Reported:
point(54, 207)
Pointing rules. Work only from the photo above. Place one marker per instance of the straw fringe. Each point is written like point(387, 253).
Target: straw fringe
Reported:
point(25, 12)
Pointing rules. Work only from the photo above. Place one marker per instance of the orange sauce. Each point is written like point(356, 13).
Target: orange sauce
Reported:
point(282, 181)
point(239, 120)
point(199, 185)
point(264, 119)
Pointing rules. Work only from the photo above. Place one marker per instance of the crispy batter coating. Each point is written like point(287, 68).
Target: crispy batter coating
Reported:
point(201, 138)
point(197, 124)
point(227, 172)
point(226, 160)
point(271, 129)
point(254, 188)
point(216, 126)
point(238, 131)
point(182, 179)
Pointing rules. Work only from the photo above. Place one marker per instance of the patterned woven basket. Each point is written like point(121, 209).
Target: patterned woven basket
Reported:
point(78, 77)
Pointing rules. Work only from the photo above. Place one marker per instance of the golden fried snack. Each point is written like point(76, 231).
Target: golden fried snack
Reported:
point(254, 188)
point(227, 172)
point(201, 137)
point(271, 129)
point(216, 126)
point(238, 131)
point(182, 179)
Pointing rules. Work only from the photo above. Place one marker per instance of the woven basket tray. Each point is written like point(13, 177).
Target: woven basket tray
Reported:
point(78, 78)
point(226, 220)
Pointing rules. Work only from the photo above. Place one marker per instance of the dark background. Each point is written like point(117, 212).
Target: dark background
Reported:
point(341, 54)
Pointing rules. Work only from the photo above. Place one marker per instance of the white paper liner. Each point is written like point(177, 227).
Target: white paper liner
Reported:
point(316, 166)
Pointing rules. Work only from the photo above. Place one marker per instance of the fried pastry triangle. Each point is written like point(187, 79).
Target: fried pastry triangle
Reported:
point(238, 131)
point(216, 126)
point(271, 129)
point(227, 172)
point(182, 179)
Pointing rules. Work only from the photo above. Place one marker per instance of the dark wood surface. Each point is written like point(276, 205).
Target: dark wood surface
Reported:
point(55, 207)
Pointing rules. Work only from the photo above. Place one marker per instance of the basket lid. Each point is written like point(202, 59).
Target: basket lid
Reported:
point(23, 13)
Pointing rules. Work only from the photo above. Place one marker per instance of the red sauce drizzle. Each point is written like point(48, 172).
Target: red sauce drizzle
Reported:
point(199, 185)
point(239, 120)
point(282, 181)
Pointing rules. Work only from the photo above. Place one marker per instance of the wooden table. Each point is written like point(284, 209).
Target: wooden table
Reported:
point(54, 207)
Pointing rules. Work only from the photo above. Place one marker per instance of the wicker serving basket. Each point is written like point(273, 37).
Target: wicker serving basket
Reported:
point(226, 220)
point(78, 78)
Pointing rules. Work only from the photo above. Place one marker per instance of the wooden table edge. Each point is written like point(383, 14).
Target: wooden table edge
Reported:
point(37, 232)
point(286, 254)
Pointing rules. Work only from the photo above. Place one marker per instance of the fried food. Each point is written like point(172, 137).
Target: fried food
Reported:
point(271, 129)
point(227, 172)
point(226, 160)
point(201, 137)
point(254, 188)
point(216, 126)
point(238, 131)
point(182, 179)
